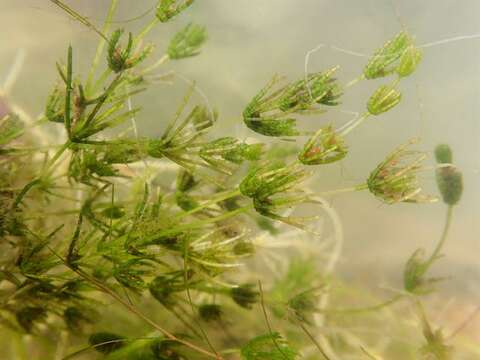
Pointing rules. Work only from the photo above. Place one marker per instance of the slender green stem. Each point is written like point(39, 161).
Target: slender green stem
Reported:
point(440, 244)
point(270, 330)
point(344, 190)
point(101, 45)
point(68, 92)
point(355, 81)
point(349, 128)
point(312, 338)
point(78, 17)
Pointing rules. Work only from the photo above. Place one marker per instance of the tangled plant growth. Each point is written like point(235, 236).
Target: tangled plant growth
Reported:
point(102, 258)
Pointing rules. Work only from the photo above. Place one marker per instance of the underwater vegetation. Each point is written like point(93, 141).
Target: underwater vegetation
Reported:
point(120, 246)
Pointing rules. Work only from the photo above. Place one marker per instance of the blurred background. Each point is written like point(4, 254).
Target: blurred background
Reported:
point(249, 41)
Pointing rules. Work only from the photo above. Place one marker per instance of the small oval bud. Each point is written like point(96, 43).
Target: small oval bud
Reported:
point(443, 154)
point(383, 99)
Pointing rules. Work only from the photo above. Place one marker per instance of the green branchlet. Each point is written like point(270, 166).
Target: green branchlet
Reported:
point(167, 9)
point(395, 179)
point(224, 152)
point(383, 99)
point(273, 188)
point(325, 147)
point(187, 42)
point(11, 127)
point(121, 59)
point(397, 55)
point(271, 111)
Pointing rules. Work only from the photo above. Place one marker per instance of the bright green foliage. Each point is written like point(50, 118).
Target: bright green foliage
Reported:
point(395, 179)
point(121, 59)
point(270, 346)
point(270, 112)
point(383, 62)
point(325, 147)
point(187, 42)
point(383, 99)
point(167, 9)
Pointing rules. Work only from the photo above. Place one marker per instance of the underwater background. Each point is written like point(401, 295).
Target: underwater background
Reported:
point(249, 41)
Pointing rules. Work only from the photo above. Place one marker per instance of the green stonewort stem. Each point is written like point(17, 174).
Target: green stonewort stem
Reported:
point(222, 197)
point(367, 309)
point(344, 190)
point(360, 120)
point(443, 238)
point(100, 46)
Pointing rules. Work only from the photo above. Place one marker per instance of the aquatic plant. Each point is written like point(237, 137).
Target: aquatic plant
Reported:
point(100, 251)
